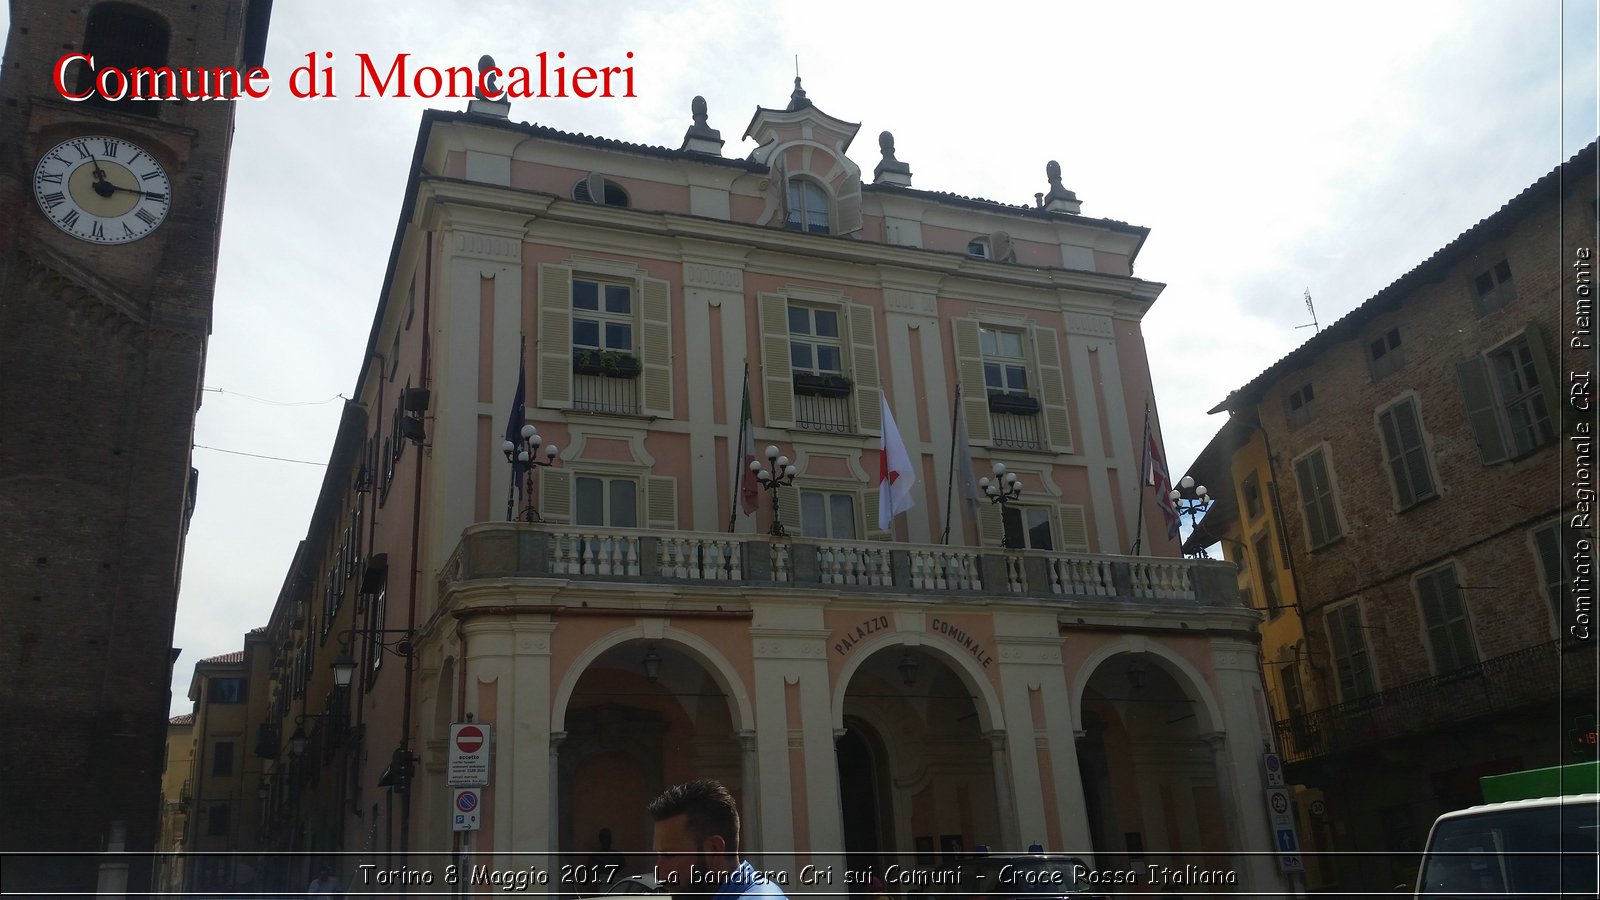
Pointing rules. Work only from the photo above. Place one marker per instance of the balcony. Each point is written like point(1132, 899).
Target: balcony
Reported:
point(815, 412)
point(495, 550)
point(604, 394)
point(1520, 679)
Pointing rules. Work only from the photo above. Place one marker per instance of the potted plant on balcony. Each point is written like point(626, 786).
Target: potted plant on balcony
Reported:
point(1012, 402)
point(610, 363)
point(823, 385)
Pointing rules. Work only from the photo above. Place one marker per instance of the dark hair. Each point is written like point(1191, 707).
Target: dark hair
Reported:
point(707, 804)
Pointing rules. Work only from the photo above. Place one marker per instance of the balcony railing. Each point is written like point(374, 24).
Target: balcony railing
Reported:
point(513, 549)
point(599, 393)
point(1519, 679)
point(814, 412)
point(1015, 432)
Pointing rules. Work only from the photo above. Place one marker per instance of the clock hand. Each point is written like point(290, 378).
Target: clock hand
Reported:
point(118, 187)
point(101, 186)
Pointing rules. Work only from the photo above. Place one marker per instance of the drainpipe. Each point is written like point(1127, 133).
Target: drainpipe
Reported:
point(416, 541)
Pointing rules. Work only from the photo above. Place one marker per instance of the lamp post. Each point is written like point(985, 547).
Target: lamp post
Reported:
point(1194, 506)
point(344, 665)
point(781, 475)
point(1005, 488)
point(524, 457)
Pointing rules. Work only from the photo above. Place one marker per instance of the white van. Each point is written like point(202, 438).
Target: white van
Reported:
point(1548, 847)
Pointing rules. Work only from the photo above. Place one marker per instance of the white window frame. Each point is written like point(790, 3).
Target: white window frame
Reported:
point(1333, 618)
point(1030, 514)
point(813, 340)
point(1510, 350)
point(1331, 497)
point(602, 317)
point(607, 480)
point(829, 530)
point(978, 248)
point(989, 347)
point(800, 214)
point(1455, 625)
point(1401, 459)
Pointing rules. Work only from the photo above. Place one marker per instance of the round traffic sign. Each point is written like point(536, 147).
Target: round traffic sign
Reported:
point(1318, 808)
point(1280, 803)
point(467, 801)
point(469, 739)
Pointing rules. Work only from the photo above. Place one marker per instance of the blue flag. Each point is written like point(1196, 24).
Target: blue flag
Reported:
point(519, 417)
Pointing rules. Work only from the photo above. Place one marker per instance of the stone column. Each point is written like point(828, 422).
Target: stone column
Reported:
point(1010, 839)
point(750, 825)
point(556, 737)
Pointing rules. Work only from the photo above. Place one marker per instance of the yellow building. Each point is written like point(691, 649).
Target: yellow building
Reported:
point(176, 796)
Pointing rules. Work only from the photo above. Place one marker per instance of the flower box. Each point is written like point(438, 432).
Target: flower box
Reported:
point(609, 363)
point(1015, 404)
point(811, 384)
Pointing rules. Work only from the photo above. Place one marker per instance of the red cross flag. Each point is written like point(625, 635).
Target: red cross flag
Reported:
point(894, 472)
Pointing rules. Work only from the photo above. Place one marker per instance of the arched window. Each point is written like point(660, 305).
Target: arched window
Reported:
point(123, 36)
point(808, 207)
point(599, 189)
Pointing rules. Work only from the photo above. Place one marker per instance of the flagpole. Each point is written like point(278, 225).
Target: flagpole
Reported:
point(950, 486)
point(522, 372)
point(738, 446)
point(1144, 477)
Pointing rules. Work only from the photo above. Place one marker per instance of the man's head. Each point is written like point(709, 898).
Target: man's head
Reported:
point(696, 836)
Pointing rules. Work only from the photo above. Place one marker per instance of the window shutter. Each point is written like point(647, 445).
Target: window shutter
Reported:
point(969, 371)
point(655, 347)
point(849, 205)
point(1306, 475)
point(555, 336)
point(776, 379)
point(990, 529)
point(595, 184)
point(1074, 528)
point(1000, 249)
point(1539, 349)
point(661, 502)
point(1394, 451)
point(864, 369)
point(555, 495)
point(869, 512)
point(1053, 387)
point(1473, 378)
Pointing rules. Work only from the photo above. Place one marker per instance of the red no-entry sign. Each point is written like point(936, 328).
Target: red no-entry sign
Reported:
point(468, 763)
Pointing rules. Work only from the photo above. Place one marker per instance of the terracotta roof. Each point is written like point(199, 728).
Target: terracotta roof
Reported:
point(185, 719)
point(236, 656)
point(259, 629)
point(571, 137)
point(1431, 269)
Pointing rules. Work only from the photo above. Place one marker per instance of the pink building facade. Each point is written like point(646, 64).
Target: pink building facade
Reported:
point(872, 697)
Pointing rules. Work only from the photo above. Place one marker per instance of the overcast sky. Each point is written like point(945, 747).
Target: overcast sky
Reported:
point(1270, 148)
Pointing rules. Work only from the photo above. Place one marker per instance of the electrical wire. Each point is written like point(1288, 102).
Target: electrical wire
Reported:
point(303, 462)
point(274, 402)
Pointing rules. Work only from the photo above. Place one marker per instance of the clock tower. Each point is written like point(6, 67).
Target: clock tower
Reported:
point(110, 219)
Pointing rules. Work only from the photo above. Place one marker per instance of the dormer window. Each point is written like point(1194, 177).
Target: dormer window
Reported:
point(808, 207)
point(600, 190)
point(120, 36)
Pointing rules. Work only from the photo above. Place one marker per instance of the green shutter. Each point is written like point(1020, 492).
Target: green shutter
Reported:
point(1539, 349)
point(655, 347)
point(1074, 528)
point(661, 502)
point(555, 336)
point(555, 495)
point(777, 380)
point(864, 368)
point(1053, 389)
point(969, 371)
point(1482, 415)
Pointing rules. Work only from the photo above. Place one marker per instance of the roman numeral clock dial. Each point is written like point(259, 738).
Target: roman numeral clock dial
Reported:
point(102, 190)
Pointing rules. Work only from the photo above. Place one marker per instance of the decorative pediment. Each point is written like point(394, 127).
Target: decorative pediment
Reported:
point(802, 141)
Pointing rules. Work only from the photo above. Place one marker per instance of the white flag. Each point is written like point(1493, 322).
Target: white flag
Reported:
point(895, 478)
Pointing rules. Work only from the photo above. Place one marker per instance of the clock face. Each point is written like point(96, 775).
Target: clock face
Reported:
point(103, 190)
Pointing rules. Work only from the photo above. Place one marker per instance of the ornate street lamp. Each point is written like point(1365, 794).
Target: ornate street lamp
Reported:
point(344, 664)
point(524, 456)
point(1193, 506)
point(781, 475)
point(1005, 488)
